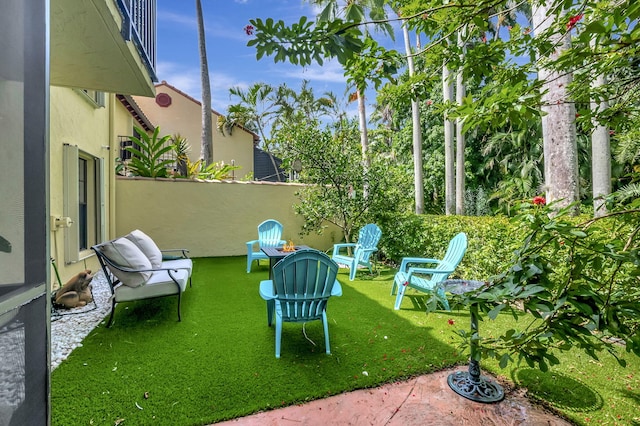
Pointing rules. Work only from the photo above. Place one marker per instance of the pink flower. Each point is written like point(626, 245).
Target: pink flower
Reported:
point(249, 30)
point(539, 200)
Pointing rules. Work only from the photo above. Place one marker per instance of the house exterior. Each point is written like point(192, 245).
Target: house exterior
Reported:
point(175, 112)
point(61, 64)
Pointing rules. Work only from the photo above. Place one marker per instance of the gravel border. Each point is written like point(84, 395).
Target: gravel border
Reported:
point(70, 326)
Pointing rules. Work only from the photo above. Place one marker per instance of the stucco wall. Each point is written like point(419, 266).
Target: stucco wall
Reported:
point(75, 121)
point(184, 116)
point(210, 218)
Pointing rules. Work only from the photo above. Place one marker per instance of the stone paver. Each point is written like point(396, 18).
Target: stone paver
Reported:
point(424, 400)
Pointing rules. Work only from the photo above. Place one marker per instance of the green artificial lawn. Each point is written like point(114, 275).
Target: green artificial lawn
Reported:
point(219, 362)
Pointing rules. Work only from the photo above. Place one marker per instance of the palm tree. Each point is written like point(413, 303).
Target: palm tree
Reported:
point(559, 114)
point(460, 142)
point(418, 183)
point(449, 164)
point(508, 153)
point(206, 149)
point(256, 110)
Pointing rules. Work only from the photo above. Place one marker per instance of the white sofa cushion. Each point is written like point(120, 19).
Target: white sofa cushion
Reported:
point(160, 284)
point(124, 253)
point(186, 264)
point(147, 246)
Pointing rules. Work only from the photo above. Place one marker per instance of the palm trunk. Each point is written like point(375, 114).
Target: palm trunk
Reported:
point(417, 133)
point(558, 120)
point(364, 138)
point(206, 148)
point(449, 172)
point(600, 157)
point(460, 142)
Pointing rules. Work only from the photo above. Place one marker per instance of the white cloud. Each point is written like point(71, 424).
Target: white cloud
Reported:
point(330, 71)
point(182, 77)
point(187, 80)
point(178, 18)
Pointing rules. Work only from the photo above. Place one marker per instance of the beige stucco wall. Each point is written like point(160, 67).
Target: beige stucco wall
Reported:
point(184, 117)
point(75, 121)
point(210, 218)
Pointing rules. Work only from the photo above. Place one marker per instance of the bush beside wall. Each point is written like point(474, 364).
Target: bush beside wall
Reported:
point(492, 241)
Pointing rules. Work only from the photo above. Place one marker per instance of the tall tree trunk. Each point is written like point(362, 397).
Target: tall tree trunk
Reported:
point(600, 156)
point(364, 138)
point(449, 166)
point(558, 121)
point(206, 147)
point(417, 132)
point(460, 143)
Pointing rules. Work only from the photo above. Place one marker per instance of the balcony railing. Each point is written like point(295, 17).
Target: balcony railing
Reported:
point(139, 26)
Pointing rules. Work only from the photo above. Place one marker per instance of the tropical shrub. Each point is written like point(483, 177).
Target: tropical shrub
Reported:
point(149, 154)
point(569, 286)
point(492, 240)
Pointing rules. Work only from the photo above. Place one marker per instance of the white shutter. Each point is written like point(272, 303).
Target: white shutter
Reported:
point(101, 196)
point(70, 203)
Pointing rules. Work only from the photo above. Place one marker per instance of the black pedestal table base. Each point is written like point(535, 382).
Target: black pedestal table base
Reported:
point(471, 384)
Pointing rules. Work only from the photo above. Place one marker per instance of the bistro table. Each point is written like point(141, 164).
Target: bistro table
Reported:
point(276, 253)
point(471, 384)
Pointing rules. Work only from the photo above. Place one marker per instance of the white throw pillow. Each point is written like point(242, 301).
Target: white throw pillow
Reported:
point(147, 246)
point(124, 253)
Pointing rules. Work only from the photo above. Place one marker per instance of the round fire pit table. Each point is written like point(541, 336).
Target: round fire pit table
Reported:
point(471, 384)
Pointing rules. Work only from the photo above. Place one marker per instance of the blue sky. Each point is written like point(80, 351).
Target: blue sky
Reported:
point(231, 62)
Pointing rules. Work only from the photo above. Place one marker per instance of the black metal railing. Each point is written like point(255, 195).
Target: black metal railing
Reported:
point(139, 26)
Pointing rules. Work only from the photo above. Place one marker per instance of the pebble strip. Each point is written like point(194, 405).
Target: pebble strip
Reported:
point(70, 326)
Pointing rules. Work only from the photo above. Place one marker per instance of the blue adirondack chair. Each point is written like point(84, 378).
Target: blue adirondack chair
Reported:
point(361, 251)
point(301, 286)
point(413, 273)
point(269, 235)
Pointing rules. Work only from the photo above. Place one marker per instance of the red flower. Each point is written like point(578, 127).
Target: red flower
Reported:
point(249, 29)
point(451, 322)
point(539, 200)
point(573, 21)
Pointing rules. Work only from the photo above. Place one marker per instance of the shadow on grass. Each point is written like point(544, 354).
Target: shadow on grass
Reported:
point(558, 390)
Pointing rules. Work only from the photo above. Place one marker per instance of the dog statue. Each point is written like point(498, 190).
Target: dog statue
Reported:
point(76, 292)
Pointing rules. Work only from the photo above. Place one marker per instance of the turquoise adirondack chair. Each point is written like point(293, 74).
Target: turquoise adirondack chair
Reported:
point(301, 286)
point(362, 250)
point(413, 274)
point(269, 235)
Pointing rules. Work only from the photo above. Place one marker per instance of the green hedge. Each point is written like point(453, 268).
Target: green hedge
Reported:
point(492, 241)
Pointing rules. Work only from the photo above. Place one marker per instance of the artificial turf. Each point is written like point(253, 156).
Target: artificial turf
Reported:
point(219, 362)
